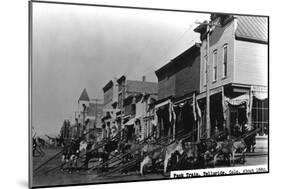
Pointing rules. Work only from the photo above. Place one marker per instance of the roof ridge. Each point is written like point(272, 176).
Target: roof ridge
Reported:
point(84, 96)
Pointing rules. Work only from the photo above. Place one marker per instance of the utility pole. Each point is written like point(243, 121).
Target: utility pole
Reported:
point(209, 26)
point(208, 124)
point(96, 100)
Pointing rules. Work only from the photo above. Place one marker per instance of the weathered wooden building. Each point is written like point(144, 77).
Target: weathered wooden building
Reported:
point(128, 94)
point(87, 117)
point(109, 125)
point(93, 122)
point(145, 115)
point(178, 83)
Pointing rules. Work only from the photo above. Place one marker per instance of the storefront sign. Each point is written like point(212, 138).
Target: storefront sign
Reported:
point(259, 89)
point(260, 92)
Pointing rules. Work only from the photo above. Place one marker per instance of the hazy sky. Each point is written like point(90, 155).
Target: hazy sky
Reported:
point(77, 47)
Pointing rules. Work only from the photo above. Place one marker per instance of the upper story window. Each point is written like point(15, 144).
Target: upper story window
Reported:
point(215, 60)
point(224, 74)
point(205, 71)
point(120, 101)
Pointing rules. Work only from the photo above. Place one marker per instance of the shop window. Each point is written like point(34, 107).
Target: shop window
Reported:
point(260, 115)
point(224, 74)
point(120, 101)
point(133, 108)
point(205, 71)
point(215, 60)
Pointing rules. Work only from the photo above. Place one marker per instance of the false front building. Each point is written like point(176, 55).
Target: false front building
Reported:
point(235, 69)
point(126, 108)
point(134, 99)
point(178, 84)
point(87, 118)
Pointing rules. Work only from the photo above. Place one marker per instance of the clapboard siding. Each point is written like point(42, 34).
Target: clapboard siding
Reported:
point(180, 76)
point(187, 80)
point(218, 38)
point(251, 63)
point(167, 87)
point(108, 97)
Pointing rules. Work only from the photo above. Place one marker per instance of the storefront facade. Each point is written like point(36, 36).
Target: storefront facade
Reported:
point(178, 82)
point(235, 70)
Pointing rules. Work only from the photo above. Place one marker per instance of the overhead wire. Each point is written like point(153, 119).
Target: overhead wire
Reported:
point(168, 50)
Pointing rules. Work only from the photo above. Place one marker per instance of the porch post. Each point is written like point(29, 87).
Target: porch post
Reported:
point(199, 119)
point(159, 125)
point(174, 131)
point(227, 121)
point(173, 121)
point(249, 113)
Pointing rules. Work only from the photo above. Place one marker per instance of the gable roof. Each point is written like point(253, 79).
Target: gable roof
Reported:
point(123, 77)
point(142, 87)
point(94, 109)
point(253, 28)
point(107, 86)
point(84, 96)
point(249, 28)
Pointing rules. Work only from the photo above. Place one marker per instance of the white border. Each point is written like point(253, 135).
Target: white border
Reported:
point(14, 90)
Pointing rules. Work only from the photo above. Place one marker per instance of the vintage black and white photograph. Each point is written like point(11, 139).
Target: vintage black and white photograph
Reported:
point(122, 94)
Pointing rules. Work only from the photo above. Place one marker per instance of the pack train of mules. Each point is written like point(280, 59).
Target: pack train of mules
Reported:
point(112, 155)
point(38, 144)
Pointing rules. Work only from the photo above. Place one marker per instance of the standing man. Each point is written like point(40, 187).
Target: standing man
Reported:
point(251, 139)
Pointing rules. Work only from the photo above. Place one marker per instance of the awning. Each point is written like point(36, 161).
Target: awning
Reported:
point(126, 117)
point(130, 122)
point(260, 96)
point(140, 109)
point(138, 116)
point(183, 100)
point(154, 122)
point(260, 92)
point(238, 100)
point(90, 117)
point(114, 129)
point(106, 116)
point(163, 103)
point(212, 92)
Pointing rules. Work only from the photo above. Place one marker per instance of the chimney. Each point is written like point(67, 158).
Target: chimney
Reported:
point(143, 78)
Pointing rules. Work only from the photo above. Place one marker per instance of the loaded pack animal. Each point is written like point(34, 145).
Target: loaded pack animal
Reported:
point(102, 153)
point(70, 155)
point(250, 138)
point(37, 142)
point(229, 148)
point(206, 152)
point(189, 157)
point(131, 151)
point(151, 152)
point(154, 152)
point(250, 143)
point(110, 146)
point(60, 142)
point(41, 142)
